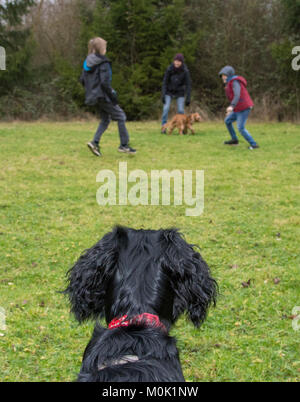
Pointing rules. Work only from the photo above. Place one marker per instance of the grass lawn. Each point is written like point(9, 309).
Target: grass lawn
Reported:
point(249, 229)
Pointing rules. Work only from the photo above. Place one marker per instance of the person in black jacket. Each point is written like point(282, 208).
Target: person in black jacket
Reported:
point(176, 84)
point(96, 78)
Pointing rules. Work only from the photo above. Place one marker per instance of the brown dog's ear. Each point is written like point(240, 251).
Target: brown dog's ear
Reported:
point(190, 118)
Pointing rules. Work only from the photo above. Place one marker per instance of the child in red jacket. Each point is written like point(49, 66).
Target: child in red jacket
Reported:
point(240, 106)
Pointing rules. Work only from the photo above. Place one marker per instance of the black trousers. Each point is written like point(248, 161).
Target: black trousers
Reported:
point(109, 112)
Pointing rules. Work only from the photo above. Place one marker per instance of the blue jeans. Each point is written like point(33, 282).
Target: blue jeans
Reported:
point(167, 104)
point(240, 118)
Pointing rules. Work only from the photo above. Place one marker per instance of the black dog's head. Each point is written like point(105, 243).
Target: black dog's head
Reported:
point(135, 271)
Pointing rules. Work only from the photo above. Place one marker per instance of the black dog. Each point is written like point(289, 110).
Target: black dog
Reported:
point(141, 281)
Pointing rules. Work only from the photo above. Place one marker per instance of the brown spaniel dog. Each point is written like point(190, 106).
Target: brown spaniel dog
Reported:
point(183, 123)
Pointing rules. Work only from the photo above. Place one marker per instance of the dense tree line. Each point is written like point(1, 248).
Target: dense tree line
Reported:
point(46, 43)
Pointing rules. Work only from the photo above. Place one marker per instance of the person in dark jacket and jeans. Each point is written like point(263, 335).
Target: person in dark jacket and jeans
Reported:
point(96, 78)
point(176, 84)
point(240, 106)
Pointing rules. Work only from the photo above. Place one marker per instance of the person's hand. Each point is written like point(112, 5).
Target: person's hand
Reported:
point(229, 110)
point(114, 97)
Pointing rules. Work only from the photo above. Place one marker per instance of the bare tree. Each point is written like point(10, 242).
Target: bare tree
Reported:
point(56, 29)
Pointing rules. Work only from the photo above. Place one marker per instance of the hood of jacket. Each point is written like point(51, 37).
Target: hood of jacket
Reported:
point(228, 71)
point(93, 60)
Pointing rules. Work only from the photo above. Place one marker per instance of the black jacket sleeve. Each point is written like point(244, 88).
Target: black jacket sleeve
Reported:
point(165, 83)
point(188, 84)
point(105, 79)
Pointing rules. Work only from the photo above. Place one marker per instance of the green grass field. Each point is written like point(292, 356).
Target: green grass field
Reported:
point(249, 230)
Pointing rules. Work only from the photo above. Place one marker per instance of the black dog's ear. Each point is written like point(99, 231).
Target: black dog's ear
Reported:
point(191, 281)
point(89, 277)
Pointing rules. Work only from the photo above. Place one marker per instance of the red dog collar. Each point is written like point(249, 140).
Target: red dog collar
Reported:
point(149, 320)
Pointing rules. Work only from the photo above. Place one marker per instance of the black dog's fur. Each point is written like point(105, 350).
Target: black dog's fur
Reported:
point(133, 272)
